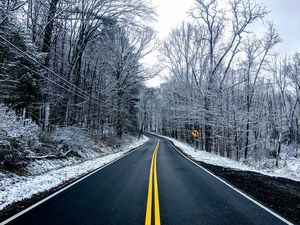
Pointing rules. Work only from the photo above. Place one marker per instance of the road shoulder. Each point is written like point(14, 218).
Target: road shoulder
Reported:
point(281, 195)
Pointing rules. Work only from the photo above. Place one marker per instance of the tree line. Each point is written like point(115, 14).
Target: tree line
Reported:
point(75, 62)
point(228, 82)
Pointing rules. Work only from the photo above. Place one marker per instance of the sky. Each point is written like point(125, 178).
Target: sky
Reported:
point(284, 13)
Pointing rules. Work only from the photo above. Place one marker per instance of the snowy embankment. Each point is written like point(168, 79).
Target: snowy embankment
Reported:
point(15, 188)
point(288, 168)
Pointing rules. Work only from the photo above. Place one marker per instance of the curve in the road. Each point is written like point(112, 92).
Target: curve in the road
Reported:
point(126, 192)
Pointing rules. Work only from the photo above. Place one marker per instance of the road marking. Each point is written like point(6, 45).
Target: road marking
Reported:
point(149, 201)
point(153, 175)
point(156, 198)
point(232, 187)
point(70, 185)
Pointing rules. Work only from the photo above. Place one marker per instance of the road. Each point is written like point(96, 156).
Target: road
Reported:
point(153, 185)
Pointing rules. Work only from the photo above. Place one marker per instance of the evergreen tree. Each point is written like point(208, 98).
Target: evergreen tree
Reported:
point(19, 73)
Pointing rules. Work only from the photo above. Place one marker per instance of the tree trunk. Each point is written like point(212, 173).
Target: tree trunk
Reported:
point(278, 150)
point(48, 31)
point(119, 115)
point(208, 128)
point(46, 49)
point(297, 137)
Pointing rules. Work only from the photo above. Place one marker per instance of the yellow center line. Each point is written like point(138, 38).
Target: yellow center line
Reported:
point(153, 170)
point(156, 199)
point(149, 201)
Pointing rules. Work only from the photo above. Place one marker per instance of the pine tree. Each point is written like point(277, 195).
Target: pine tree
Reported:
point(19, 74)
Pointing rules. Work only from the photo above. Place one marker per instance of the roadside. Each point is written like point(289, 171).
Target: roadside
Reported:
point(19, 192)
point(280, 194)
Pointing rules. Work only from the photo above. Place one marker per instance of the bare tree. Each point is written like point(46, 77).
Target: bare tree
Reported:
point(244, 13)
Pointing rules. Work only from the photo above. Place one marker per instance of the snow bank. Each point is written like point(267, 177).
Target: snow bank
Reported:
point(288, 168)
point(17, 127)
point(14, 188)
point(78, 140)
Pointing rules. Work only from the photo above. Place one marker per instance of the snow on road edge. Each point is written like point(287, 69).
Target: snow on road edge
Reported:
point(290, 171)
point(15, 188)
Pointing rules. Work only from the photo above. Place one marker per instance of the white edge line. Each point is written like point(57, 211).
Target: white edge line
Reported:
point(229, 185)
point(70, 185)
point(237, 190)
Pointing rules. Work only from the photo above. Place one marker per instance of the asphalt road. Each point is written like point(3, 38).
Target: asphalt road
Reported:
point(153, 185)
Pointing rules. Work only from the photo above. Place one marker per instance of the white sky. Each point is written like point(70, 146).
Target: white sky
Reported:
point(284, 13)
point(286, 16)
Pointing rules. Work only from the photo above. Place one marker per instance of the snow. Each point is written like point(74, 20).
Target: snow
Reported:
point(14, 188)
point(16, 126)
point(80, 141)
point(288, 168)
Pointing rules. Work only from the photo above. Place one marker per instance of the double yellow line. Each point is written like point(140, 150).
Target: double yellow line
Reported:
point(153, 175)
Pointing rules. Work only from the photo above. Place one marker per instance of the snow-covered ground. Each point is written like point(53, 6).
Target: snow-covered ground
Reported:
point(288, 168)
point(14, 188)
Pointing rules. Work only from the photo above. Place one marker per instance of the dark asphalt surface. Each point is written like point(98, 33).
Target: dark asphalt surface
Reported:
point(117, 194)
point(190, 195)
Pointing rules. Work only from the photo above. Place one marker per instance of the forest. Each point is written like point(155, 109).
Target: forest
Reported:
point(66, 63)
point(76, 63)
point(71, 63)
point(227, 81)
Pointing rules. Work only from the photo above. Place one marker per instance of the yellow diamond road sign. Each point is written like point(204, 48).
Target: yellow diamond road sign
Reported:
point(195, 133)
